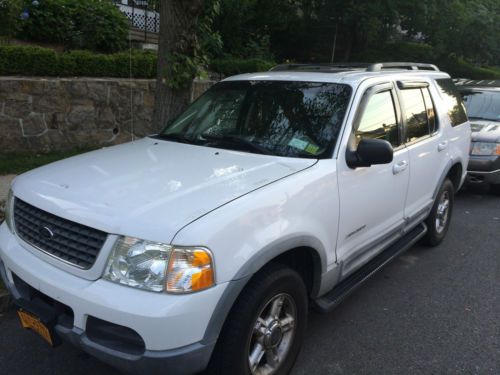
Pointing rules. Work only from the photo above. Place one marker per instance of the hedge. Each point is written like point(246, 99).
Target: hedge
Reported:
point(37, 61)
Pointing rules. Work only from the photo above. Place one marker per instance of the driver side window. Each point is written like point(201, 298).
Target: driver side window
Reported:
point(379, 120)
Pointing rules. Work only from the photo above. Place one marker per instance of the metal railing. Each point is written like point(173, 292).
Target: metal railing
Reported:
point(142, 14)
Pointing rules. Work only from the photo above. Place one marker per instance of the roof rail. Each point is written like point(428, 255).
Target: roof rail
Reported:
point(342, 67)
point(321, 67)
point(377, 67)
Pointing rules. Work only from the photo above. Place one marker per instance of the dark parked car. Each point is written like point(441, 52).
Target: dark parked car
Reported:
point(482, 99)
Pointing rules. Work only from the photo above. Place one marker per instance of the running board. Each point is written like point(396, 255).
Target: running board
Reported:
point(331, 299)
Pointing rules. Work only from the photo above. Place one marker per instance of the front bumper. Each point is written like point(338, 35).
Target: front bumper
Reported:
point(483, 170)
point(172, 327)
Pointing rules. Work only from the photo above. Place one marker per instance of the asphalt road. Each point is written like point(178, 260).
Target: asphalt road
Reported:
point(431, 311)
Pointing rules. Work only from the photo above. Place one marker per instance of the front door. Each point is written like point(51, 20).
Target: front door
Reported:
point(372, 199)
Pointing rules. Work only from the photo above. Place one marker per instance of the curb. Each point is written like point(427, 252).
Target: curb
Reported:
point(5, 301)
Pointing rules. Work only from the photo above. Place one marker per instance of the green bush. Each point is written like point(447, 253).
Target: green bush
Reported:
point(459, 68)
point(37, 61)
point(231, 66)
point(23, 60)
point(77, 24)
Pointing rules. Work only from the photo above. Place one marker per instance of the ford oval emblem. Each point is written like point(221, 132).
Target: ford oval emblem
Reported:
point(46, 233)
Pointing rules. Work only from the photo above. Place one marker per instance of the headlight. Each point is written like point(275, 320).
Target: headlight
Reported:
point(159, 267)
point(9, 211)
point(485, 148)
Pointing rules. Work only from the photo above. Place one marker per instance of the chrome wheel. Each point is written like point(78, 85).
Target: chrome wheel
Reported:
point(442, 213)
point(272, 335)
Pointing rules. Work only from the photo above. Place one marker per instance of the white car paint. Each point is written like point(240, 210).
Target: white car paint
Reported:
point(149, 188)
point(161, 320)
point(245, 208)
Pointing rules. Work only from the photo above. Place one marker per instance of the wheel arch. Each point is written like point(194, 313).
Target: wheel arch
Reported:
point(455, 175)
point(299, 254)
point(453, 171)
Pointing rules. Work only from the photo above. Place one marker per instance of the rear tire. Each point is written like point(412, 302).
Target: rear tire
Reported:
point(439, 218)
point(265, 327)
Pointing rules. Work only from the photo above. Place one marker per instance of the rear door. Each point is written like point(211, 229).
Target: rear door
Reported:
point(427, 145)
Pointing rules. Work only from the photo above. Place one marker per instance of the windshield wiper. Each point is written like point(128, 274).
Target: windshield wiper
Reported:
point(176, 138)
point(238, 142)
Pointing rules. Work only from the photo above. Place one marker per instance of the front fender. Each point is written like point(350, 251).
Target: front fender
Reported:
point(245, 234)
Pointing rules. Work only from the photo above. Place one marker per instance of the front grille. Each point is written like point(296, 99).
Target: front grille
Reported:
point(73, 243)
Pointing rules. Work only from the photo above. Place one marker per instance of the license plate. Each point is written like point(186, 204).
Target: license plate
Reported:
point(34, 323)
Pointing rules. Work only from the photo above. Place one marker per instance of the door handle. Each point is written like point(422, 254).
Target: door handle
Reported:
point(442, 146)
point(399, 167)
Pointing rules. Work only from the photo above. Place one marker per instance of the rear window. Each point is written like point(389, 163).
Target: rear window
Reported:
point(453, 101)
point(419, 110)
point(417, 124)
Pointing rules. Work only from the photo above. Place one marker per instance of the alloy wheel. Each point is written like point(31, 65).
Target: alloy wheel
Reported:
point(272, 335)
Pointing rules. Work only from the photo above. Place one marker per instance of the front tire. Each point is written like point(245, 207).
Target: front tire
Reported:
point(266, 326)
point(439, 218)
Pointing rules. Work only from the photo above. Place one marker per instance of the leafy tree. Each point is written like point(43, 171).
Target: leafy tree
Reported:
point(257, 28)
point(210, 40)
point(10, 17)
point(305, 29)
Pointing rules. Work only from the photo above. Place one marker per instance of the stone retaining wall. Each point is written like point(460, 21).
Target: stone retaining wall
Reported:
point(47, 114)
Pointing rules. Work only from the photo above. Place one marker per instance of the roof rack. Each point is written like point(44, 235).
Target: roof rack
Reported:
point(319, 67)
point(342, 67)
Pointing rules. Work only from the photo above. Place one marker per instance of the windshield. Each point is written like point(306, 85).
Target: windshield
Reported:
point(295, 119)
point(483, 105)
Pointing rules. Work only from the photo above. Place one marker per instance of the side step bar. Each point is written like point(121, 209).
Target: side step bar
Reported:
point(331, 300)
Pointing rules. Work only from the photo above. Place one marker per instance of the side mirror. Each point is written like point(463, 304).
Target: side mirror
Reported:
point(369, 152)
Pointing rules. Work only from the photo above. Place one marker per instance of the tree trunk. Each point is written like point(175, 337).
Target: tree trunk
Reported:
point(178, 19)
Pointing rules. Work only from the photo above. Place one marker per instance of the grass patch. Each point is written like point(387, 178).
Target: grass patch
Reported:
point(16, 163)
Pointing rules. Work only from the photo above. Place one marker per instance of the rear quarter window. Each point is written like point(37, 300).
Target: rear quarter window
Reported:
point(453, 101)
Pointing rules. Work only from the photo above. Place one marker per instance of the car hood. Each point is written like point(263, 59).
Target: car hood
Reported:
point(150, 188)
point(485, 131)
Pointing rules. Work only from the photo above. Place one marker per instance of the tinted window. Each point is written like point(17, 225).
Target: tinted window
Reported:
point(484, 105)
point(297, 119)
point(453, 101)
point(429, 105)
point(416, 114)
point(379, 119)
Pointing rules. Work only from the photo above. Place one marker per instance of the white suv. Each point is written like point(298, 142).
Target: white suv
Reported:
point(202, 246)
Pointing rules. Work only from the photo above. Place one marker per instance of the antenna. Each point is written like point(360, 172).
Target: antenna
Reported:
point(132, 135)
